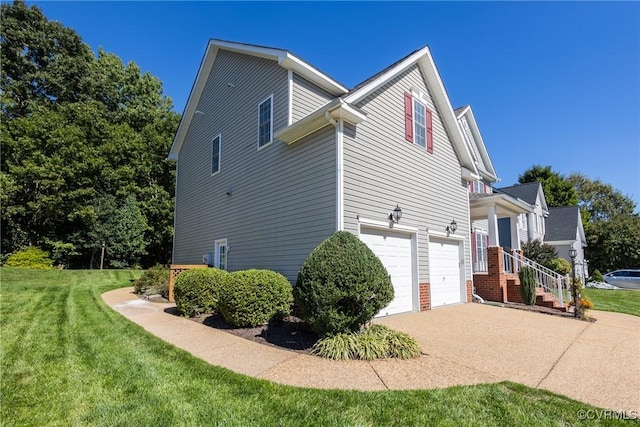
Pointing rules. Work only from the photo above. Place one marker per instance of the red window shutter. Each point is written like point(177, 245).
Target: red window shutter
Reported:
point(474, 251)
point(408, 117)
point(429, 132)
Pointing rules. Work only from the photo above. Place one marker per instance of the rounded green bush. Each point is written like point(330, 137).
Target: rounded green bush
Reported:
point(254, 297)
point(196, 291)
point(30, 257)
point(560, 266)
point(153, 281)
point(597, 276)
point(341, 285)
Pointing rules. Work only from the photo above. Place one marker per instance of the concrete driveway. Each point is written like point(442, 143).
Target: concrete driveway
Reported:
point(597, 363)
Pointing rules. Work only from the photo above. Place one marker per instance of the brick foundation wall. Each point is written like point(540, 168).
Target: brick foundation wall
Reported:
point(469, 290)
point(513, 288)
point(492, 285)
point(425, 297)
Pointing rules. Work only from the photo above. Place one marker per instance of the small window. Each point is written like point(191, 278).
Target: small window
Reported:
point(265, 122)
point(419, 123)
point(220, 260)
point(215, 155)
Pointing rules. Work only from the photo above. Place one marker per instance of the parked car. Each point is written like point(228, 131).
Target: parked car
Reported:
point(627, 279)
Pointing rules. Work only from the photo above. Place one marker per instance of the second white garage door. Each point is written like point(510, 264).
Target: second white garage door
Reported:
point(394, 250)
point(444, 273)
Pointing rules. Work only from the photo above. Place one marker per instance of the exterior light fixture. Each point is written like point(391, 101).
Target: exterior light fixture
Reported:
point(396, 215)
point(572, 254)
point(451, 228)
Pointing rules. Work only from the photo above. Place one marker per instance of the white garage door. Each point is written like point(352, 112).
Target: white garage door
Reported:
point(394, 250)
point(444, 273)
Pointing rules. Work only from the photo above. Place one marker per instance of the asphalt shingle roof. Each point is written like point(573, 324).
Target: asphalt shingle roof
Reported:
point(562, 223)
point(527, 192)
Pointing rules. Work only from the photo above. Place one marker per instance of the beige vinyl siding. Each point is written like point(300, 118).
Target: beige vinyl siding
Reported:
point(283, 197)
point(307, 98)
point(382, 169)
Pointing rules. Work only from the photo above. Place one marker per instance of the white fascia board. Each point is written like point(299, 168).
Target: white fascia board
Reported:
point(361, 93)
point(480, 142)
point(292, 62)
point(469, 175)
point(441, 99)
point(559, 242)
point(463, 112)
point(336, 109)
point(192, 101)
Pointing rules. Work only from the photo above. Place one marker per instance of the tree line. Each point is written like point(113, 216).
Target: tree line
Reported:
point(84, 141)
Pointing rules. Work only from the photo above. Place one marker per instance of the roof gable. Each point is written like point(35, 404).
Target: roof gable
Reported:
point(284, 58)
point(427, 66)
point(564, 224)
point(530, 192)
point(476, 147)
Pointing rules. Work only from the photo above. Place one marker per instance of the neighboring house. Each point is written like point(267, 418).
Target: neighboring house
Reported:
point(273, 156)
point(531, 225)
point(564, 231)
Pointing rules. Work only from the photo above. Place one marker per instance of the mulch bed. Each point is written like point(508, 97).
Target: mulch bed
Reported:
point(291, 333)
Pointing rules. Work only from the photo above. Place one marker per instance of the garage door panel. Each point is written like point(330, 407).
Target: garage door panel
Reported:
point(444, 277)
point(394, 250)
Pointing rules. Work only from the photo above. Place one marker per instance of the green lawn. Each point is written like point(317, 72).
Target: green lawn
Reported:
point(621, 301)
point(68, 359)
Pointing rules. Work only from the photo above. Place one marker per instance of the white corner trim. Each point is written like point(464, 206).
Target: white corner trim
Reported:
point(340, 175)
point(290, 95)
point(372, 223)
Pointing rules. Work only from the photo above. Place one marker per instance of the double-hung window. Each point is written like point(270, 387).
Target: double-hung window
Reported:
point(215, 154)
point(265, 122)
point(418, 122)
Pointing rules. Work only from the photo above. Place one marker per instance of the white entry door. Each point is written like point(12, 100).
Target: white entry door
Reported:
point(394, 250)
point(444, 273)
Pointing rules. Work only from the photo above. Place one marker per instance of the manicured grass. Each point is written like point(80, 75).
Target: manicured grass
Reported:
point(621, 301)
point(69, 359)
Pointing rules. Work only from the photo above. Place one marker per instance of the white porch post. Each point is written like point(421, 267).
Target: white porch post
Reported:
point(492, 216)
point(515, 237)
point(530, 225)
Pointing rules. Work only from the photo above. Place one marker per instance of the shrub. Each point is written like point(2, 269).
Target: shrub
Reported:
point(153, 281)
point(560, 266)
point(527, 285)
point(539, 252)
point(30, 257)
point(375, 342)
point(341, 285)
point(196, 291)
point(597, 276)
point(254, 297)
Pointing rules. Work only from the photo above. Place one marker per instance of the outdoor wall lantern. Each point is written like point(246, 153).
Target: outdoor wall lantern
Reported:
point(396, 215)
point(451, 228)
point(572, 254)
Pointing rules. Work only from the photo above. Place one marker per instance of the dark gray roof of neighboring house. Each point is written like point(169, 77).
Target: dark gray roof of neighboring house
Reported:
point(562, 223)
point(527, 192)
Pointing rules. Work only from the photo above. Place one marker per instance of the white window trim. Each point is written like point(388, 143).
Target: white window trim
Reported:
point(216, 257)
point(219, 137)
point(270, 99)
point(417, 100)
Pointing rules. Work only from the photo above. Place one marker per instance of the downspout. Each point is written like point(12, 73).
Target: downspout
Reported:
point(339, 125)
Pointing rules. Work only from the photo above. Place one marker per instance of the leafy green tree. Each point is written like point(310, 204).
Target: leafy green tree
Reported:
point(613, 243)
point(558, 191)
point(600, 201)
point(75, 126)
point(120, 227)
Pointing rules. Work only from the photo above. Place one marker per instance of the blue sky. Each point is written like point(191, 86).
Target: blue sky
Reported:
point(550, 83)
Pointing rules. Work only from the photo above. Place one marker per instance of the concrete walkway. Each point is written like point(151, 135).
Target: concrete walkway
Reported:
point(597, 363)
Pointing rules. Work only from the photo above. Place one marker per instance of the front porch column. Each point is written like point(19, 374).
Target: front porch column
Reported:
point(530, 218)
point(515, 238)
point(492, 216)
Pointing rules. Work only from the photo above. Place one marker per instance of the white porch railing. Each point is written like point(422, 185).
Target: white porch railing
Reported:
point(546, 279)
